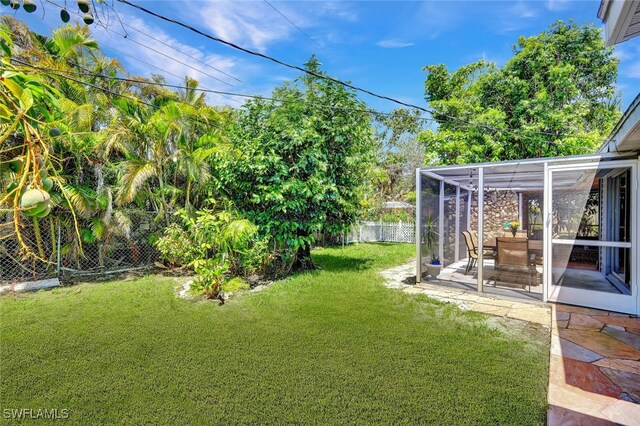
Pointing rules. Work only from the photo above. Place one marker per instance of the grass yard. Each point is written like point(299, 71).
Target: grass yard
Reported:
point(330, 346)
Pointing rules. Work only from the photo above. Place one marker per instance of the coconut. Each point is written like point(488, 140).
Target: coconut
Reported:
point(88, 18)
point(29, 6)
point(34, 201)
point(14, 4)
point(54, 131)
point(47, 184)
point(43, 173)
point(5, 2)
point(44, 213)
point(16, 164)
point(12, 187)
point(83, 5)
point(64, 15)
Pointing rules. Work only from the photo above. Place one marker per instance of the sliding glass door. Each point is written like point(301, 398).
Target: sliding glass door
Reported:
point(591, 241)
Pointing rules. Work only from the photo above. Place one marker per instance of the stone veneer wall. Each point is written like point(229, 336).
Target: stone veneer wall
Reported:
point(498, 207)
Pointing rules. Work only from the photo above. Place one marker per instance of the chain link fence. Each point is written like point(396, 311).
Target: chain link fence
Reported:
point(126, 247)
point(66, 253)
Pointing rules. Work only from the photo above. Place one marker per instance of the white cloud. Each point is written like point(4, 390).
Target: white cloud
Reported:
point(435, 18)
point(514, 18)
point(393, 44)
point(252, 24)
point(338, 10)
point(557, 5)
point(159, 54)
point(628, 55)
point(522, 10)
point(633, 70)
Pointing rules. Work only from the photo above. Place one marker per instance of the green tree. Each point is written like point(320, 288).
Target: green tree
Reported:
point(298, 166)
point(556, 96)
point(120, 148)
point(398, 151)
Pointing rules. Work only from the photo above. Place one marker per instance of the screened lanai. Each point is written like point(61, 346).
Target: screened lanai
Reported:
point(555, 229)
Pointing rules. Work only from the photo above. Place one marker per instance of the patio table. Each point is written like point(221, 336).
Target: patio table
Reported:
point(534, 246)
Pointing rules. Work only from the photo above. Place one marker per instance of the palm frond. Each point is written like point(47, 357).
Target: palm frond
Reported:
point(72, 40)
point(82, 199)
point(135, 174)
point(121, 224)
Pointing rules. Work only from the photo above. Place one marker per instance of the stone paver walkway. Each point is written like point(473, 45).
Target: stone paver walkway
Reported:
point(403, 278)
point(594, 370)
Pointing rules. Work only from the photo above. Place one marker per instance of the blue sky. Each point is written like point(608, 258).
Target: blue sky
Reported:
point(379, 45)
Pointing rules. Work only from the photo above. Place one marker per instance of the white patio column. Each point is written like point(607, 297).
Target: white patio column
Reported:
point(469, 198)
point(441, 223)
point(547, 261)
point(520, 209)
point(457, 239)
point(480, 228)
point(418, 226)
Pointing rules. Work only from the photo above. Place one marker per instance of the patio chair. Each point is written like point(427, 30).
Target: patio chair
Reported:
point(512, 256)
point(472, 253)
point(488, 253)
point(472, 250)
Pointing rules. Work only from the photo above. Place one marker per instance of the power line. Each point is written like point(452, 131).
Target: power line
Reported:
point(292, 23)
point(159, 68)
point(201, 89)
point(103, 89)
point(328, 78)
point(267, 57)
point(126, 36)
point(174, 59)
point(188, 56)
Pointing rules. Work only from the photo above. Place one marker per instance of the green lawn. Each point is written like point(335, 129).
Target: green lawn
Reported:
point(331, 346)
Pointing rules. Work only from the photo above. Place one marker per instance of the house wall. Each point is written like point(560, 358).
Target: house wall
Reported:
point(498, 207)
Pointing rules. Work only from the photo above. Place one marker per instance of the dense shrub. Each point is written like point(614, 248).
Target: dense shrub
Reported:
point(217, 244)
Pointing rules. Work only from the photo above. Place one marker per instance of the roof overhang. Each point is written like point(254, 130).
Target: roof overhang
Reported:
point(625, 136)
point(621, 20)
point(515, 175)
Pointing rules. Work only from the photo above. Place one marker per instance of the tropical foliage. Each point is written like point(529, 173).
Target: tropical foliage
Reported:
point(236, 191)
point(300, 163)
point(94, 149)
point(215, 243)
point(556, 96)
point(87, 148)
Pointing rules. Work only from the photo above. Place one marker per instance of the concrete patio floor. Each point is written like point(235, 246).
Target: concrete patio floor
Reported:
point(594, 369)
point(512, 286)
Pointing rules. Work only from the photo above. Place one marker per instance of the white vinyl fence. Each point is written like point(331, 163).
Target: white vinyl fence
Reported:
point(366, 232)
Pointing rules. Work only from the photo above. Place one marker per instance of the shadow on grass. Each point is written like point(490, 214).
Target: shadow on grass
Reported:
point(335, 263)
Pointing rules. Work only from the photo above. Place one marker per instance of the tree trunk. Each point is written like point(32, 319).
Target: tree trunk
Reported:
point(303, 259)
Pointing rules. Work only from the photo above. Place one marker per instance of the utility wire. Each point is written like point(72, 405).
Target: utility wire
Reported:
point(103, 89)
point(220, 92)
point(328, 78)
point(292, 23)
point(159, 68)
point(126, 36)
point(174, 59)
point(188, 56)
